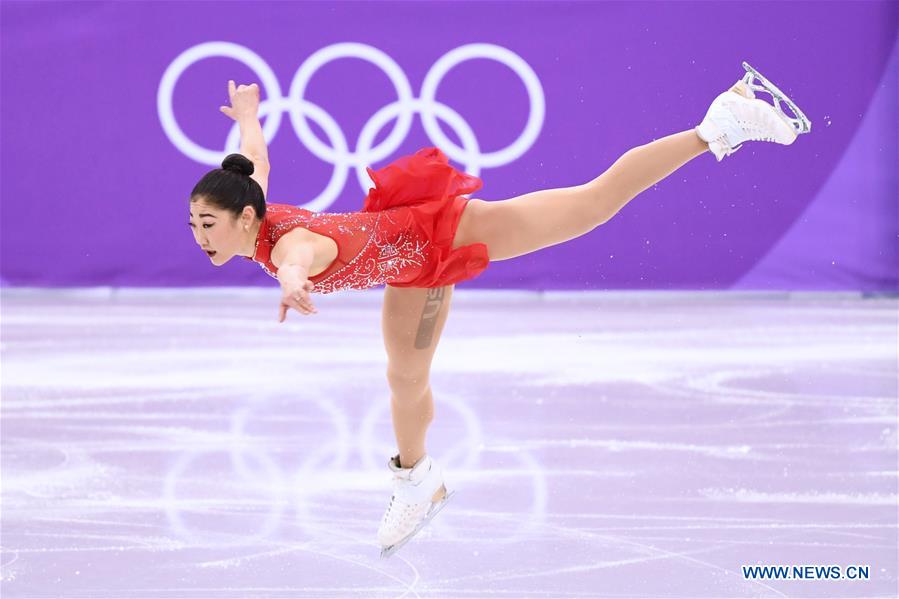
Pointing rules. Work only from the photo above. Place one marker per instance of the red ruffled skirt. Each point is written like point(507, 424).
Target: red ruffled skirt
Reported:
point(431, 188)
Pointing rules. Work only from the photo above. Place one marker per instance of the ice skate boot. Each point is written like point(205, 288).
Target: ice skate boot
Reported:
point(737, 116)
point(418, 494)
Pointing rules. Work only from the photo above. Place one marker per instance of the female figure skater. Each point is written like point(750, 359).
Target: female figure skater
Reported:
point(417, 234)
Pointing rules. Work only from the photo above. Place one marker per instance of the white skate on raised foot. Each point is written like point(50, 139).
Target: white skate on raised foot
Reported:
point(737, 116)
point(418, 494)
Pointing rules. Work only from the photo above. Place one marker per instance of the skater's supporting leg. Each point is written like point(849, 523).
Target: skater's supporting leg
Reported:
point(412, 415)
point(413, 320)
point(543, 218)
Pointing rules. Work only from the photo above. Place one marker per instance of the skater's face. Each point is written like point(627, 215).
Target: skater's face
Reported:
point(218, 232)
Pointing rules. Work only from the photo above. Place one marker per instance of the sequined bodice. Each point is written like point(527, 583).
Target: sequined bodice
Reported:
point(372, 247)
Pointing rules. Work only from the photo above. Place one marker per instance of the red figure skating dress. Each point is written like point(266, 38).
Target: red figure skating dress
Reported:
point(403, 235)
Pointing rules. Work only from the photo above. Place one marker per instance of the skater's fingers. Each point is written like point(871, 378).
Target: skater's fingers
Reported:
point(298, 305)
point(308, 308)
point(282, 312)
point(305, 301)
point(231, 89)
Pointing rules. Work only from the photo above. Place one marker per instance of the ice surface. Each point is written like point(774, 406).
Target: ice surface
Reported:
point(601, 445)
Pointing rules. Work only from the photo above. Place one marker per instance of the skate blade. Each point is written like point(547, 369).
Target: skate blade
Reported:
point(436, 507)
point(800, 122)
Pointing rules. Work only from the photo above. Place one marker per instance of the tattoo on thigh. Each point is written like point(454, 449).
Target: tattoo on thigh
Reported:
point(433, 304)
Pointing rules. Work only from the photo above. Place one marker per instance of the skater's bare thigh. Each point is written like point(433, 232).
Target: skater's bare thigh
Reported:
point(412, 321)
point(529, 222)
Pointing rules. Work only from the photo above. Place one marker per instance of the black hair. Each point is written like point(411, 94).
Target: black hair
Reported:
point(230, 187)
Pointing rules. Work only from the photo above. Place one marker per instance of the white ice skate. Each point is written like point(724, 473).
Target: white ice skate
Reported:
point(737, 116)
point(418, 494)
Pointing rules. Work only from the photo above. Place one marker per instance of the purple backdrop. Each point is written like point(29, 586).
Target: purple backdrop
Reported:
point(102, 139)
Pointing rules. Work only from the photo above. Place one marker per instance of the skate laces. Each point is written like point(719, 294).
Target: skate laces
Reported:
point(399, 511)
point(767, 119)
point(754, 126)
point(412, 495)
point(399, 507)
point(755, 130)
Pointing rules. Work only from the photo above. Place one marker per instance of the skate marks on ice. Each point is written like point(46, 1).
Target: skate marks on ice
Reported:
point(154, 447)
point(186, 459)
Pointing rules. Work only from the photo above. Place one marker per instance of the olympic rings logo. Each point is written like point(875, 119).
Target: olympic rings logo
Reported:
point(271, 487)
point(338, 153)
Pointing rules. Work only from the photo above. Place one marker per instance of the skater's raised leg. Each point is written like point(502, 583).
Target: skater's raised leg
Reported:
point(548, 217)
point(640, 168)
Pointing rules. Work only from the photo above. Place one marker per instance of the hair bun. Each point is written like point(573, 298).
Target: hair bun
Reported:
point(238, 163)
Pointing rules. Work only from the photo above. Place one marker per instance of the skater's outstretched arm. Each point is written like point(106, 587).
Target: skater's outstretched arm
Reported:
point(244, 109)
point(294, 255)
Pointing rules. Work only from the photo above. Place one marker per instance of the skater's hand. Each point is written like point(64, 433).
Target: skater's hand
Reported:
point(244, 101)
point(296, 296)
